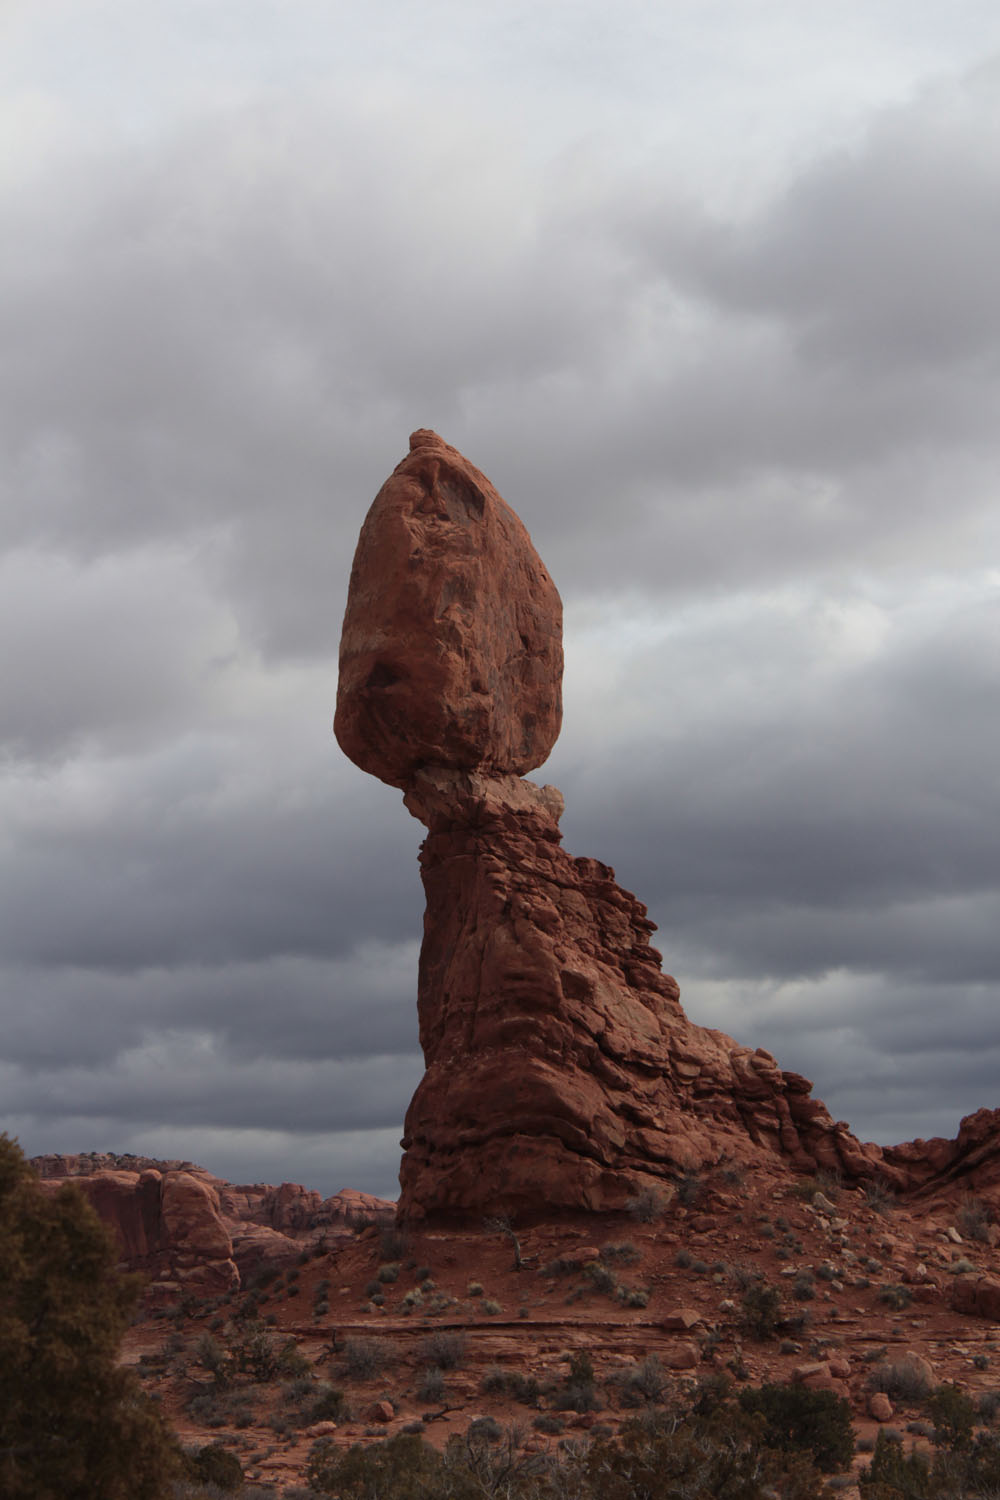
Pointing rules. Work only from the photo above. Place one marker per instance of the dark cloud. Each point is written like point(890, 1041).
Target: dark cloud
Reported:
point(755, 441)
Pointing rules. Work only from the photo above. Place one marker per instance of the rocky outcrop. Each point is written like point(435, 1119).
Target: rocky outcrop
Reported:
point(168, 1224)
point(969, 1163)
point(186, 1229)
point(562, 1072)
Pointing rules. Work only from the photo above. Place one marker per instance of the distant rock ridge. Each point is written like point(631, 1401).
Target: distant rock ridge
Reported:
point(189, 1230)
point(561, 1071)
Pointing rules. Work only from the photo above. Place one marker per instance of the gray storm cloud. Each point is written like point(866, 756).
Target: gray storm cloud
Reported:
point(750, 425)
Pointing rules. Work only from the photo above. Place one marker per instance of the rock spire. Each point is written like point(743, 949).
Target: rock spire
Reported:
point(561, 1071)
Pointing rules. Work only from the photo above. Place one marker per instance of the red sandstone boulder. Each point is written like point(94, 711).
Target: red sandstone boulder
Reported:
point(977, 1297)
point(451, 653)
point(880, 1407)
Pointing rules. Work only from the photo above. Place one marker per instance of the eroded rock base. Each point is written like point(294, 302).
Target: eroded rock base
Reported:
point(562, 1072)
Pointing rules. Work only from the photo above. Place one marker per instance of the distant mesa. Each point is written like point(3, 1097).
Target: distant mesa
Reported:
point(189, 1231)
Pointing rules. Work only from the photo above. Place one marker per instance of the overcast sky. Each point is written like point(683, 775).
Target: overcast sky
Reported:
point(709, 289)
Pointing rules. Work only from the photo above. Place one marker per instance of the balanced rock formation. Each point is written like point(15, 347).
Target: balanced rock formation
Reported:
point(451, 653)
point(562, 1072)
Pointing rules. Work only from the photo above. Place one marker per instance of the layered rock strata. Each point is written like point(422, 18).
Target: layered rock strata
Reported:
point(562, 1072)
point(186, 1229)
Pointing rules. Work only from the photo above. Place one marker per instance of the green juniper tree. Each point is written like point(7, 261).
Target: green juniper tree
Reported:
point(73, 1426)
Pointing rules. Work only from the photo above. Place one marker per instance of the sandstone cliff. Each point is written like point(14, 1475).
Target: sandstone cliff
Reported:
point(190, 1231)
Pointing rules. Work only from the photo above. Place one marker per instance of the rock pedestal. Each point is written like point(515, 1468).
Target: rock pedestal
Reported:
point(562, 1073)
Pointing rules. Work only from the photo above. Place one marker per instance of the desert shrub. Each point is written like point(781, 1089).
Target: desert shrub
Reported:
point(491, 1308)
point(550, 1423)
point(826, 1272)
point(901, 1380)
point(216, 1466)
point(257, 1352)
point(953, 1414)
point(431, 1386)
point(879, 1196)
point(645, 1206)
point(625, 1254)
point(645, 1384)
point(760, 1309)
point(716, 1456)
point(796, 1418)
point(388, 1272)
point(444, 1349)
point(296, 1391)
point(683, 1259)
point(974, 1219)
point(362, 1358)
point(578, 1392)
point(484, 1430)
point(893, 1473)
point(512, 1383)
point(895, 1296)
point(211, 1355)
point(404, 1467)
point(989, 1405)
point(743, 1276)
point(329, 1404)
point(474, 1289)
point(632, 1296)
point(804, 1286)
point(600, 1277)
point(961, 1267)
point(980, 1361)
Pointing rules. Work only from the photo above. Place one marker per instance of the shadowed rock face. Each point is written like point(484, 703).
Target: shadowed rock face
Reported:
point(562, 1072)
